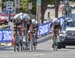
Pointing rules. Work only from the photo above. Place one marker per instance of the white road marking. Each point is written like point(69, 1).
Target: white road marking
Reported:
point(40, 54)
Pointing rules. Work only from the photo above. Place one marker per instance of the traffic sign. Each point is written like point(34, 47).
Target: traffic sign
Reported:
point(30, 6)
point(17, 3)
point(9, 6)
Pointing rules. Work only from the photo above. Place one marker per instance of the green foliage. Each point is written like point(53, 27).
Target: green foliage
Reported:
point(24, 5)
point(50, 1)
point(33, 11)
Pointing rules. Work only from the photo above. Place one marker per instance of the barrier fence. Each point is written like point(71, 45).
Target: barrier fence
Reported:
point(6, 35)
point(44, 28)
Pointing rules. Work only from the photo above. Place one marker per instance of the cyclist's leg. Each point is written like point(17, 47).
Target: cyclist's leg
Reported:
point(18, 47)
point(55, 43)
point(14, 47)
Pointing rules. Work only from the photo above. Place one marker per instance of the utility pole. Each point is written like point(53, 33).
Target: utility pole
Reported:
point(9, 8)
point(38, 10)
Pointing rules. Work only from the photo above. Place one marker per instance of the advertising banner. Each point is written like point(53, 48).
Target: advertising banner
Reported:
point(44, 29)
point(6, 36)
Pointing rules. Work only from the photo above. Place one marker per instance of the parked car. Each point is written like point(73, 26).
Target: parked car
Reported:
point(3, 20)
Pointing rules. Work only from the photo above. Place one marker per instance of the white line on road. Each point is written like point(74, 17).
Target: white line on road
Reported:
point(40, 54)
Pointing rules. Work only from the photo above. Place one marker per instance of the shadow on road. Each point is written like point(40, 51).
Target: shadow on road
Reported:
point(69, 48)
point(44, 51)
point(43, 40)
point(6, 48)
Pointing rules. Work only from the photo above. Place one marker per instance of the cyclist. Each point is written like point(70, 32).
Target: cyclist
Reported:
point(56, 28)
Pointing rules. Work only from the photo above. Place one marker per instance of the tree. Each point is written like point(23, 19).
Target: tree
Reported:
point(24, 5)
point(33, 10)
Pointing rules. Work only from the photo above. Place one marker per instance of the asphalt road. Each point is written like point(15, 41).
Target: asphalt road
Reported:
point(44, 50)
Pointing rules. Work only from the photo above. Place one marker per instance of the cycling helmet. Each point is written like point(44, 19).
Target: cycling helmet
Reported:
point(55, 21)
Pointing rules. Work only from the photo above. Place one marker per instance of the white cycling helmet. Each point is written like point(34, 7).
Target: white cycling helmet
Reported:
point(54, 20)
